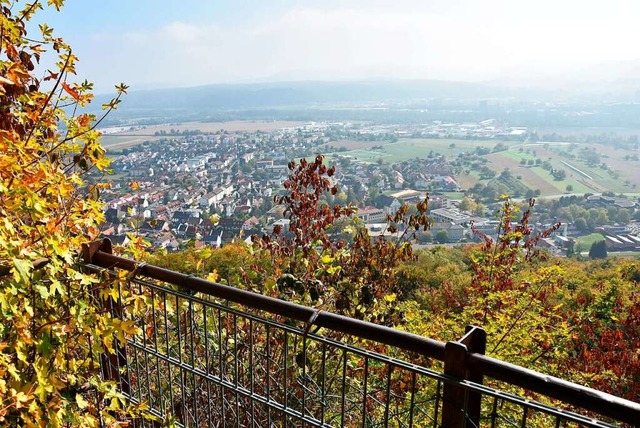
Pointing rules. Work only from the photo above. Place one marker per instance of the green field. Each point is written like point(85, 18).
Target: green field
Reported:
point(411, 148)
point(456, 196)
point(561, 185)
point(365, 155)
point(627, 172)
point(583, 243)
point(469, 180)
point(587, 240)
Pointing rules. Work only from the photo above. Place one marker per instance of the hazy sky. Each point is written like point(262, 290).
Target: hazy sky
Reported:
point(156, 43)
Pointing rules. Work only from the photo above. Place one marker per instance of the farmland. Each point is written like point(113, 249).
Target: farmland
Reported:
point(409, 148)
point(584, 167)
point(120, 140)
point(531, 163)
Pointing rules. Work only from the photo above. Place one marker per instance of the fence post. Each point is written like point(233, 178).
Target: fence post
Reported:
point(458, 405)
point(110, 364)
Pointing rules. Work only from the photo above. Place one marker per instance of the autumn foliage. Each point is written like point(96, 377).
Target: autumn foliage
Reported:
point(572, 319)
point(52, 329)
point(313, 265)
point(580, 321)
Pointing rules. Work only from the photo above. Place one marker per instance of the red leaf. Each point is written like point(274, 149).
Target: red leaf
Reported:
point(71, 91)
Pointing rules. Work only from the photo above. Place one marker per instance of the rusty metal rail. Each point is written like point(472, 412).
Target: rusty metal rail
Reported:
point(400, 339)
point(463, 400)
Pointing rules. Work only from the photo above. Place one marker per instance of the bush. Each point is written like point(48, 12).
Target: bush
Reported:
point(52, 330)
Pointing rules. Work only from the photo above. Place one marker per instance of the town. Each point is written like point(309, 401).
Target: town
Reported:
point(210, 188)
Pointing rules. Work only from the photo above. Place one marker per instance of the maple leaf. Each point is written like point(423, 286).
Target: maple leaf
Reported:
point(71, 91)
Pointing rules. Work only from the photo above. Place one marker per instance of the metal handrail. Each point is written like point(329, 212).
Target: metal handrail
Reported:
point(389, 336)
point(553, 387)
point(570, 393)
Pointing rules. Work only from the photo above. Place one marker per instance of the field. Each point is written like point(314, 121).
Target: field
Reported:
point(410, 148)
point(530, 176)
point(468, 180)
point(120, 140)
point(352, 144)
point(587, 240)
point(616, 171)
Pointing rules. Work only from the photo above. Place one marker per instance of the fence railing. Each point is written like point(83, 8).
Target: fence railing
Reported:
point(212, 355)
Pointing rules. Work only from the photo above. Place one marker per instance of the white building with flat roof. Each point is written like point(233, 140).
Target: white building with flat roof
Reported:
point(449, 215)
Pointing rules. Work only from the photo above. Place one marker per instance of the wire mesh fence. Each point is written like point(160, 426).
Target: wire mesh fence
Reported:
point(201, 361)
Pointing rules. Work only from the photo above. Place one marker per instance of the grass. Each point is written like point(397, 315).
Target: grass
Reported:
point(536, 177)
point(587, 240)
point(516, 155)
point(627, 254)
point(561, 185)
point(456, 196)
point(469, 180)
point(411, 148)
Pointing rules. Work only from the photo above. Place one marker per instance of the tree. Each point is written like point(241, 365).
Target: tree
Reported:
point(569, 188)
point(559, 174)
point(598, 250)
point(581, 224)
point(313, 267)
point(442, 237)
point(479, 209)
point(570, 249)
point(52, 329)
point(623, 217)
point(467, 204)
point(500, 147)
point(511, 293)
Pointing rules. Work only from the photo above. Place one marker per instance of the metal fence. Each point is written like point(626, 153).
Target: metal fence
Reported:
point(210, 355)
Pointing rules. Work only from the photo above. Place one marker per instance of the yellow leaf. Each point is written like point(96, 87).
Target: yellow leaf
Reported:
point(390, 297)
point(213, 276)
point(129, 327)
point(82, 403)
point(327, 259)
point(20, 398)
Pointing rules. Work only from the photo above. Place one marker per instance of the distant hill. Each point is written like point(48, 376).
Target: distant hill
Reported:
point(609, 104)
point(310, 93)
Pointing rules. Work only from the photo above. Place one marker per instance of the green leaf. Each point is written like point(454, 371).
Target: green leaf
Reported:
point(45, 346)
point(22, 270)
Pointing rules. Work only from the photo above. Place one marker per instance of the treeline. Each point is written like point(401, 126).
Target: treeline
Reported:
point(177, 132)
point(584, 215)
